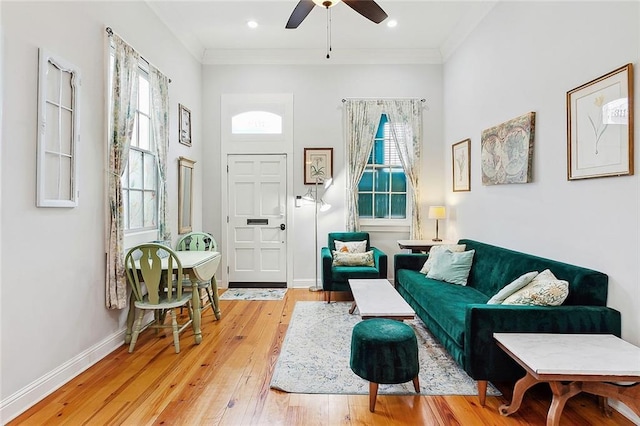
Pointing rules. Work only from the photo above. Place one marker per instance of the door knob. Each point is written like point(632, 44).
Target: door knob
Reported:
point(282, 227)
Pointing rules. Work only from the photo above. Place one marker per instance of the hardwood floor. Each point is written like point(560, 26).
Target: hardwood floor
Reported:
point(225, 381)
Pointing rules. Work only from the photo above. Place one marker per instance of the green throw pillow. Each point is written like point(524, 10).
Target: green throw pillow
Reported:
point(353, 259)
point(512, 287)
point(452, 267)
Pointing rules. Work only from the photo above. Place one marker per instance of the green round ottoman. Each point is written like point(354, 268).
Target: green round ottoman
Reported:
point(384, 351)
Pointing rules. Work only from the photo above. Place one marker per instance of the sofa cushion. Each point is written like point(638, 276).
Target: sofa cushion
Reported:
point(344, 273)
point(445, 303)
point(452, 267)
point(435, 251)
point(544, 290)
point(353, 259)
point(512, 287)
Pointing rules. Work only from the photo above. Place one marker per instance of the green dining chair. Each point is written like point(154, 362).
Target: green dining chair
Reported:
point(143, 265)
point(202, 241)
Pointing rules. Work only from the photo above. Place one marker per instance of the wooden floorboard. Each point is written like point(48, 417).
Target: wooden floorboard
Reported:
point(225, 381)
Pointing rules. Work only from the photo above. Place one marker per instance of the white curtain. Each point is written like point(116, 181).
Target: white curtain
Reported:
point(160, 124)
point(362, 119)
point(405, 123)
point(124, 102)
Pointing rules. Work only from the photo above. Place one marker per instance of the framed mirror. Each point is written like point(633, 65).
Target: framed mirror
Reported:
point(185, 195)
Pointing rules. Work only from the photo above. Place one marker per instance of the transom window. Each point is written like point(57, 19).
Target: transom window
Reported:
point(382, 191)
point(140, 179)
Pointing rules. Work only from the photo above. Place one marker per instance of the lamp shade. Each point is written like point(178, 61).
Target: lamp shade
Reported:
point(437, 212)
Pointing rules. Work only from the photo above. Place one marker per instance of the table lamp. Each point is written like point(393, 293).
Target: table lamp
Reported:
point(437, 213)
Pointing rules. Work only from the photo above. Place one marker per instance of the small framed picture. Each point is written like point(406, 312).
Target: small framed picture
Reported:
point(461, 156)
point(318, 165)
point(600, 126)
point(184, 115)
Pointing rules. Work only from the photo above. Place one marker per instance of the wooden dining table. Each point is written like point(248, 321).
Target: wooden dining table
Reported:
point(200, 266)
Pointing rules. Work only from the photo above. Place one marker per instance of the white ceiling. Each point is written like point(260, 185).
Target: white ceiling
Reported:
point(216, 31)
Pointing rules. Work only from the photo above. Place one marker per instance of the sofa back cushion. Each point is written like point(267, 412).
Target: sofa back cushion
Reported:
point(494, 267)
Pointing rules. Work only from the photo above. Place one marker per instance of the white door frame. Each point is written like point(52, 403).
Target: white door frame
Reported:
point(232, 104)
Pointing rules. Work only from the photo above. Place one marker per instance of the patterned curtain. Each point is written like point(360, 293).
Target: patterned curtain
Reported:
point(362, 119)
point(124, 102)
point(160, 124)
point(407, 115)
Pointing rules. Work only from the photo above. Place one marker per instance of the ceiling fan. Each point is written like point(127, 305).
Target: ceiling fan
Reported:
point(367, 8)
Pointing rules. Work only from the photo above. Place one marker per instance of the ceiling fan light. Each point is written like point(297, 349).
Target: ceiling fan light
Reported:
point(326, 3)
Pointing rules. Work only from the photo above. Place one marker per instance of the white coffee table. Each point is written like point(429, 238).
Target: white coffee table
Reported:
point(589, 362)
point(376, 298)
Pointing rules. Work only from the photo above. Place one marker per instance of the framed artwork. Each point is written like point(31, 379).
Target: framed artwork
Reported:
point(461, 157)
point(507, 151)
point(600, 126)
point(185, 195)
point(184, 115)
point(318, 165)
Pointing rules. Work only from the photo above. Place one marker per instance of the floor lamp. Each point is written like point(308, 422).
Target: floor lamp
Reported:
point(318, 205)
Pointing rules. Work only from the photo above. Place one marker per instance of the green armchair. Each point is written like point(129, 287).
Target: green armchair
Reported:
point(336, 278)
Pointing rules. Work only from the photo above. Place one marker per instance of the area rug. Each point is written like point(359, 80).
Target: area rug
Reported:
point(316, 350)
point(253, 294)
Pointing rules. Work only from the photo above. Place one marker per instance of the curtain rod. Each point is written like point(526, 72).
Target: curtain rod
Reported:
point(380, 99)
point(110, 32)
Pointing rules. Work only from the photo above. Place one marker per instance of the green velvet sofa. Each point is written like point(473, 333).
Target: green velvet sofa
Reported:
point(336, 278)
point(460, 319)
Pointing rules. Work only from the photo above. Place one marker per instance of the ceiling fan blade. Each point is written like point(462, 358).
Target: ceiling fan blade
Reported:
point(299, 13)
point(367, 8)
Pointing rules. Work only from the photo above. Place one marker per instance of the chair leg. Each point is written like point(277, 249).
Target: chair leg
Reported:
point(373, 394)
point(482, 392)
point(137, 326)
point(174, 326)
point(328, 296)
point(416, 384)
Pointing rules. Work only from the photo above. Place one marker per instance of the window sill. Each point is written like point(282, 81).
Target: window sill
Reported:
point(384, 227)
point(135, 238)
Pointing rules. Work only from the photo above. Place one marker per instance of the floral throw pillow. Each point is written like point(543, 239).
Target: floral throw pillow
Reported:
point(351, 246)
point(436, 251)
point(353, 259)
point(544, 290)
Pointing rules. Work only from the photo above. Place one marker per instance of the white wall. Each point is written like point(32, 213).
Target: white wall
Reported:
point(318, 92)
point(53, 315)
point(524, 57)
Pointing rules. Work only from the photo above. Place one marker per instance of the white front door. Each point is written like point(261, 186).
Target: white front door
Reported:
point(257, 217)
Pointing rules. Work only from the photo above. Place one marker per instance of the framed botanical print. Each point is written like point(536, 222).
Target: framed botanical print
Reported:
point(318, 165)
point(461, 158)
point(185, 125)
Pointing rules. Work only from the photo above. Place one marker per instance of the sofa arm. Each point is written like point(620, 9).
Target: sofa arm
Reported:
point(327, 261)
point(413, 261)
point(484, 360)
point(381, 261)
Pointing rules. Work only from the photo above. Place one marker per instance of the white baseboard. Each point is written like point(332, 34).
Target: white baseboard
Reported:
point(17, 403)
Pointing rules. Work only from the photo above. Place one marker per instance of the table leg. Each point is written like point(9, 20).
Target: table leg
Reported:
point(216, 300)
point(629, 395)
point(519, 389)
point(195, 302)
point(131, 316)
point(353, 307)
point(561, 394)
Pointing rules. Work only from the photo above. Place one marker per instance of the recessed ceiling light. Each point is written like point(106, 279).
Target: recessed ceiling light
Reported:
point(392, 23)
point(252, 24)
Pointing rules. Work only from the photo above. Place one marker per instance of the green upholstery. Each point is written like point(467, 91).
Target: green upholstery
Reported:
point(337, 278)
point(384, 351)
point(460, 319)
point(143, 265)
point(202, 241)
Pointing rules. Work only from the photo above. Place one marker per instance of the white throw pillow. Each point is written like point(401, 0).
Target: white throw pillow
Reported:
point(452, 267)
point(512, 287)
point(353, 259)
point(351, 246)
point(544, 290)
point(436, 250)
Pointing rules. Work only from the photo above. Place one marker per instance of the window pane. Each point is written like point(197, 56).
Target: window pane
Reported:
point(52, 128)
point(66, 89)
point(143, 95)
point(365, 206)
point(150, 174)
point(66, 124)
point(134, 134)
point(150, 209)
point(382, 206)
point(135, 169)
point(257, 123)
point(125, 208)
point(53, 83)
point(382, 180)
point(52, 166)
point(135, 209)
point(124, 179)
point(143, 132)
point(398, 206)
point(398, 181)
point(366, 181)
point(378, 151)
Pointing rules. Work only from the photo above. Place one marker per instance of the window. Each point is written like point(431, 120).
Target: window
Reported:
point(140, 178)
point(382, 191)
